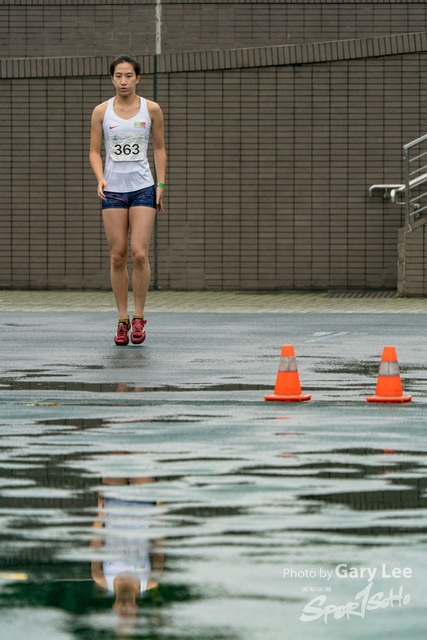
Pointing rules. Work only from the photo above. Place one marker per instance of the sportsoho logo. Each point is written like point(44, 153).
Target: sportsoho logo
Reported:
point(365, 600)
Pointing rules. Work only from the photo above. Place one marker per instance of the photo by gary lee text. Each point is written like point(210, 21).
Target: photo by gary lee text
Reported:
point(346, 571)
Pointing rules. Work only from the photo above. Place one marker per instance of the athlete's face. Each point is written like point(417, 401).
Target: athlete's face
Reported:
point(125, 79)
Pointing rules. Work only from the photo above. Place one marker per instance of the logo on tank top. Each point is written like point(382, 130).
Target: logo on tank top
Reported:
point(139, 124)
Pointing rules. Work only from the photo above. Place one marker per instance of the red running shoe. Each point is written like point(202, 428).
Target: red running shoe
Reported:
point(137, 334)
point(121, 338)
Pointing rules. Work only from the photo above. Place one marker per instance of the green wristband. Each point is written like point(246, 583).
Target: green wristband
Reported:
point(161, 184)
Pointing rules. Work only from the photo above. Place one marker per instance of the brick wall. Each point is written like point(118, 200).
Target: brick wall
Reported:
point(43, 28)
point(412, 252)
point(279, 160)
point(271, 153)
point(33, 28)
point(271, 148)
point(226, 25)
point(51, 232)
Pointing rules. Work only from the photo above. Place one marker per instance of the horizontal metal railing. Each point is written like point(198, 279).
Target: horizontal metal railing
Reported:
point(415, 176)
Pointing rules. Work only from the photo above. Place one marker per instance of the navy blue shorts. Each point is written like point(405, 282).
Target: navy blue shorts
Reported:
point(141, 198)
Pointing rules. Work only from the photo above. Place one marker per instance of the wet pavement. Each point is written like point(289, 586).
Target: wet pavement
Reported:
point(160, 473)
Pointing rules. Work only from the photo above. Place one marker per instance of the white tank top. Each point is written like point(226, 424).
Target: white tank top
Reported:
point(126, 527)
point(137, 571)
point(126, 142)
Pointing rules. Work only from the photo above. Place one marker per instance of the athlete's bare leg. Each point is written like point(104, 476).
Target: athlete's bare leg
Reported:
point(116, 224)
point(141, 220)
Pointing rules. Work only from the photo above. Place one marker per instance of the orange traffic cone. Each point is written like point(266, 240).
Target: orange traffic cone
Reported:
point(288, 388)
point(389, 385)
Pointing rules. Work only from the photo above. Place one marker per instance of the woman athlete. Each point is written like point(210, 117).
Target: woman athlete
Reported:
point(129, 198)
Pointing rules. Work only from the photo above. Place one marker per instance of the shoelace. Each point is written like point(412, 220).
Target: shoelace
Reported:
point(122, 330)
point(138, 326)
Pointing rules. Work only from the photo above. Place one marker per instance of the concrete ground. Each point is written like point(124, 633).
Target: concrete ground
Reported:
point(217, 302)
point(243, 488)
point(228, 342)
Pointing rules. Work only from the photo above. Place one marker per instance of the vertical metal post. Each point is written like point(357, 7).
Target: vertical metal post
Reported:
point(407, 192)
point(158, 27)
point(158, 19)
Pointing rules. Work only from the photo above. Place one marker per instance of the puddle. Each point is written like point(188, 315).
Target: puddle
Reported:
point(377, 501)
point(225, 515)
point(77, 423)
point(17, 384)
point(339, 366)
point(197, 510)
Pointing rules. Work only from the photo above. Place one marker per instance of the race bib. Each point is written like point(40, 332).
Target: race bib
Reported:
point(128, 146)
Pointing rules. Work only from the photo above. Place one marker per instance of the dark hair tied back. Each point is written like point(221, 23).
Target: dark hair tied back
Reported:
point(125, 58)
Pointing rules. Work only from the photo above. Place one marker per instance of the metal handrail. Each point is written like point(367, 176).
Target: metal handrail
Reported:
point(413, 201)
point(415, 182)
point(414, 143)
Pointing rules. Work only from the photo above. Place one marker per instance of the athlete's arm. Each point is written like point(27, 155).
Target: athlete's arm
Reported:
point(98, 574)
point(96, 565)
point(95, 148)
point(158, 133)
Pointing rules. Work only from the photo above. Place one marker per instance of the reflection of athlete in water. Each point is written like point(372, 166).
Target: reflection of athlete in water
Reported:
point(126, 572)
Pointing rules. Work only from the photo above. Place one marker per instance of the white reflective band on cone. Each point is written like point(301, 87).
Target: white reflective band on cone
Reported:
point(288, 363)
point(389, 369)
